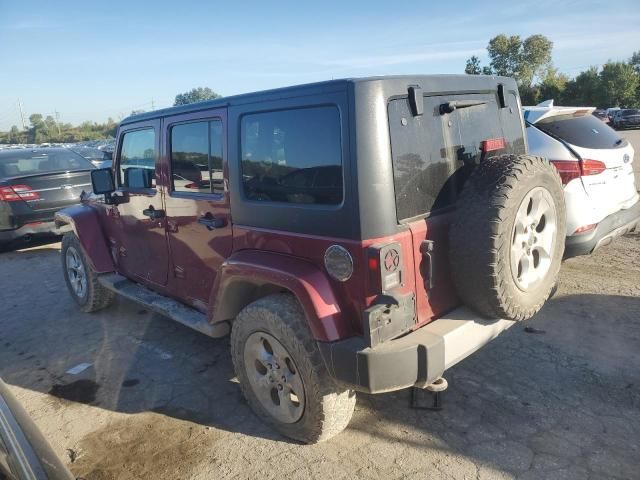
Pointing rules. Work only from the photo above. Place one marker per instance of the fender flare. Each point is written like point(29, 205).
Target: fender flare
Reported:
point(85, 223)
point(247, 271)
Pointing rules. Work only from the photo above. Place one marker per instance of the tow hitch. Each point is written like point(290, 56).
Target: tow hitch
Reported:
point(429, 397)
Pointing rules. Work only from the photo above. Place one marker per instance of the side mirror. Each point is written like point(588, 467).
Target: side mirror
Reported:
point(102, 181)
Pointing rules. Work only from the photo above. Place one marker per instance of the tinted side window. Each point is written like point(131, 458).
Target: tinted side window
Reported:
point(138, 152)
point(196, 157)
point(292, 156)
point(584, 131)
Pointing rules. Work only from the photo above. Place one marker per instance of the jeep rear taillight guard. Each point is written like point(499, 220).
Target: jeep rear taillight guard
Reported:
point(16, 193)
point(571, 169)
point(385, 267)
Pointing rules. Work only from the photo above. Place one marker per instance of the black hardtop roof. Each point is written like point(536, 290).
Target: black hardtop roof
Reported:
point(444, 82)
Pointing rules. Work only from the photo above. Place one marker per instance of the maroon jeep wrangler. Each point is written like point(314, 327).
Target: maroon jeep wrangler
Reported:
point(352, 235)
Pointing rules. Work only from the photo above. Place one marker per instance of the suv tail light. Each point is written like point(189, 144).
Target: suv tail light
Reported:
point(16, 193)
point(385, 267)
point(592, 167)
point(571, 169)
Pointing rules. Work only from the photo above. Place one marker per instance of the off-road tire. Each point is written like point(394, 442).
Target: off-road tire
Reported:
point(481, 235)
point(328, 407)
point(96, 297)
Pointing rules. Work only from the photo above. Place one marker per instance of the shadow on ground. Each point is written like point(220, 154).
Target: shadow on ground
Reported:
point(525, 405)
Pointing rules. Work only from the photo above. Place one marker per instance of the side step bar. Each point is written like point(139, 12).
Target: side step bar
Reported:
point(163, 305)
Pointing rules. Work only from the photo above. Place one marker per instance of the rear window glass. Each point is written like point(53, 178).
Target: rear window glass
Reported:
point(584, 131)
point(429, 151)
point(292, 156)
point(28, 162)
point(196, 157)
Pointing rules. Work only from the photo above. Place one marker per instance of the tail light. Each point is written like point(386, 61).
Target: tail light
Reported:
point(592, 167)
point(571, 169)
point(16, 193)
point(385, 267)
point(492, 144)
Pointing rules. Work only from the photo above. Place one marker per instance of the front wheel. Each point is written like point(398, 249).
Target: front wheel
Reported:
point(82, 281)
point(282, 375)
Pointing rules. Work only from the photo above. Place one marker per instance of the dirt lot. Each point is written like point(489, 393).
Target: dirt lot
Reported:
point(159, 400)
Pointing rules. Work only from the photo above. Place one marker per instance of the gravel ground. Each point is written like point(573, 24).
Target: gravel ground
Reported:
point(159, 400)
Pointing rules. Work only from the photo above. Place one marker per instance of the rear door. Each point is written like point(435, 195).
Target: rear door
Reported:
point(613, 187)
point(432, 156)
point(197, 203)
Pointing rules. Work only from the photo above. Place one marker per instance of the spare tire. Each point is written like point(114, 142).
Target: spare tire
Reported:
point(506, 240)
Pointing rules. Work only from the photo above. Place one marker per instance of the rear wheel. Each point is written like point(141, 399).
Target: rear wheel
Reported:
point(82, 281)
point(507, 237)
point(282, 375)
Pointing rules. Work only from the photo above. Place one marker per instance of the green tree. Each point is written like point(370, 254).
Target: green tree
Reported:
point(473, 66)
point(504, 54)
point(37, 132)
point(619, 84)
point(585, 89)
point(194, 95)
point(553, 86)
point(635, 61)
point(510, 56)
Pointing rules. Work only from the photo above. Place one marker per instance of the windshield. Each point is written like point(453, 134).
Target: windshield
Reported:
point(32, 162)
point(583, 131)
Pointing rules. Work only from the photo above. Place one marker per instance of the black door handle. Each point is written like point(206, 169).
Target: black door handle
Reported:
point(152, 213)
point(212, 222)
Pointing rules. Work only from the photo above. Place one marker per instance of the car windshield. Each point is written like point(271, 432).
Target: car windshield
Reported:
point(582, 131)
point(32, 162)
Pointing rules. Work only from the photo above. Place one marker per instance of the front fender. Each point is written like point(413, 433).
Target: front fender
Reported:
point(247, 270)
point(85, 222)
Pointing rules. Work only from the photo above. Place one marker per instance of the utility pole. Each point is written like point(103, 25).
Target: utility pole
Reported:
point(57, 114)
point(153, 105)
point(24, 123)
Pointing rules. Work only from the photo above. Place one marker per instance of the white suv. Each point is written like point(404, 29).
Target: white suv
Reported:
point(595, 165)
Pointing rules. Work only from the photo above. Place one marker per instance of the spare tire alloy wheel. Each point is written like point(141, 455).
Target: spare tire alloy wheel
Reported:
point(534, 238)
point(76, 272)
point(274, 377)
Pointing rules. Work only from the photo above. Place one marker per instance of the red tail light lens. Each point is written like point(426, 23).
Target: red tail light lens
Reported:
point(592, 167)
point(492, 144)
point(568, 169)
point(16, 193)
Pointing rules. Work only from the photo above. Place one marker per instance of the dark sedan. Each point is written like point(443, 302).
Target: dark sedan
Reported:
point(34, 184)
point(24, 452)
point(628, 118)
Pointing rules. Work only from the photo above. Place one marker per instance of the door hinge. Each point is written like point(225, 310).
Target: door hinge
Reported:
point(426, 248)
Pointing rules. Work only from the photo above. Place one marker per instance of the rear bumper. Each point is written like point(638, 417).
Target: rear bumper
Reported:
point(416, 359)
point(36, 228)
point(611, 227)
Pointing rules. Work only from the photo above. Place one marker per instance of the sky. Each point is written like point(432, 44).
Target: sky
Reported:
point(93, 60)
